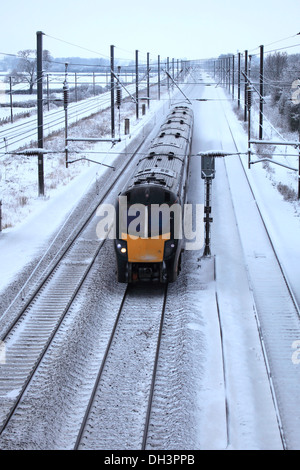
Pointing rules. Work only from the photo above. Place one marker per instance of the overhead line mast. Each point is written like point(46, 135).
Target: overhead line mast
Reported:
point(39, 48)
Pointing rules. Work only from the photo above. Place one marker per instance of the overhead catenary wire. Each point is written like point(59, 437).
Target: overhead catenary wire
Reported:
point(76, 45)
point(76, 110)
point(53, 122)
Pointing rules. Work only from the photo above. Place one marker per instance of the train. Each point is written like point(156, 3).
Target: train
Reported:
point(149, 211)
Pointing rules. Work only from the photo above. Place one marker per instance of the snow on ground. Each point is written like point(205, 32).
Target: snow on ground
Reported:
point(252, 415)
point(5, 112)
point(282, 216)
point(251, 418)
point(277, 317)
point(37, 218)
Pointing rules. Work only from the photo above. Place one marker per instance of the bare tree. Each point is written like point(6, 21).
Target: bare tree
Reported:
point(275, 65)
point(25, 71)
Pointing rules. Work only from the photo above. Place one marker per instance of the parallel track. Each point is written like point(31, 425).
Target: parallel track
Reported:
point(125, 391)
point(270, 332)
point(33, 329)
point(266, 229)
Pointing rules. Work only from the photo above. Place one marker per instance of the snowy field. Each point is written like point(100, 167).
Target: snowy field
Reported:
point(248, 417)
point(63, 187)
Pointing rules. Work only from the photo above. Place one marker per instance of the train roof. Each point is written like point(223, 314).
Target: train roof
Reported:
point(167, 154)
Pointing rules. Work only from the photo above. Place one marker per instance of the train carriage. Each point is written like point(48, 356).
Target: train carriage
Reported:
point(149, 211)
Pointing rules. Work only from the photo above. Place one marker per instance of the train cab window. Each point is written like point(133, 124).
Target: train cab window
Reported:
point(159, 223)
point(134, 222)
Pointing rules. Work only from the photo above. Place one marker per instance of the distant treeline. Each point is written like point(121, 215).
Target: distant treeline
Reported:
point(282, 85)
point(75, 64)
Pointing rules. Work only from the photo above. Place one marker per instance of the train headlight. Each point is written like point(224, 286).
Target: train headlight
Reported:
point(122, 247)
point(170, 248)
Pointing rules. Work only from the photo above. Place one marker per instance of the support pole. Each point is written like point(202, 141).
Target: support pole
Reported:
point(261, 92)
point(245, 89)
point(148, 79)
point(48, 93)
point(137, 83)
point(229, 73)
point(112, 91)
point(168, 66)
point(207, 218)
point(158, 75)
point(119, 97)
point(76, 95)
point(299, 163)
point(39, 35)
point(239, 80)
point(127, 126)
point(299, 177)
point(11, 100)
point(66, 102)
point(249, 102)
point(233, 77)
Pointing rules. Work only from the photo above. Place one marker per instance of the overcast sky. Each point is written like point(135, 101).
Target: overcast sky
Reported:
point(177, 29)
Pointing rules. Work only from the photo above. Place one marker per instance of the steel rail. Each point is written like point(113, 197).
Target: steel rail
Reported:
point(104, 362)
point(284, 275)
point(259, 329)
point(150, 400)
point(100, 372)
point(49, 341)
point(68, 245)
point(42, 283)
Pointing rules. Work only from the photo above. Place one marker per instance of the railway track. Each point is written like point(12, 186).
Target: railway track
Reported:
point(281, 267)
point(118, 413)
point(119, 409)
point(34, 327)
point(31, 338)
point(14, 135)
point(276, 309)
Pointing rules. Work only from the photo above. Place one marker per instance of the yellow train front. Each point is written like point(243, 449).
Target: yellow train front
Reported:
point(149, 229)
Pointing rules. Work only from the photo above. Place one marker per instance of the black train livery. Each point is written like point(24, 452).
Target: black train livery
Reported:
point(149, 212)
